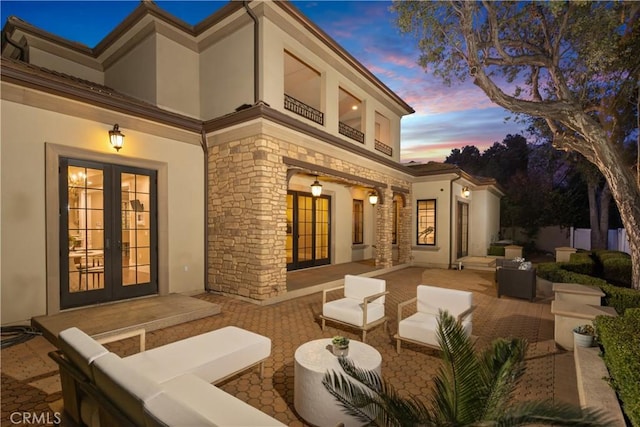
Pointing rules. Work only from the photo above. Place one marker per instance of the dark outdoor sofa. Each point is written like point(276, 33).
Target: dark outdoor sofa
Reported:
point(513, 282)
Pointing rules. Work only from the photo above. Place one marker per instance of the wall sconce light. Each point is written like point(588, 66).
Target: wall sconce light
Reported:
point(466, 192)
point(373, 198)
point(116, 137)
point(316, 188)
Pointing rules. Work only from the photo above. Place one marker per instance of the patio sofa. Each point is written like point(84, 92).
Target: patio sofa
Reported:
point(166, 386)
point(515, 282)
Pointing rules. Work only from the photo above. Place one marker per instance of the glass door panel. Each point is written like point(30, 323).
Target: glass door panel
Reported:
point(308, 242)
point(108, 232)
point(289, 242)
point(305, 228)
point(463, 229)
point(322, 229)
point(85, 250)
point(135, 239)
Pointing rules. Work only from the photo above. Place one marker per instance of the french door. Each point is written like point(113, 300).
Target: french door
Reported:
point(108, 232)
point(462, 231)
point(308, 230)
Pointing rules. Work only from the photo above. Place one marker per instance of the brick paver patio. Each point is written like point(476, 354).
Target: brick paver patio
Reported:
point(30, 382)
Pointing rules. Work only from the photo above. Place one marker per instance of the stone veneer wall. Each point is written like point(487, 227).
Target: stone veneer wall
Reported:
point(404, 231)
point(247, 213)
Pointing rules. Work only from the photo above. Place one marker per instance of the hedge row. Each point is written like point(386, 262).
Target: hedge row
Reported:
point(560, 272)
point(613, 266)
point(495, 250)
point(614, 296)
point(621, 344)
point(581, 262)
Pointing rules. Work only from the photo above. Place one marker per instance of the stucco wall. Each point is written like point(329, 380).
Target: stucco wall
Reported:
point(438, 255)
point(25, 132)
point(135, 73)
point(178, 76)
point(226, 74)
point(61, 64)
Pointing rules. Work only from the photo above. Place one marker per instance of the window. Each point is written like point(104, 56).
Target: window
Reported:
point(350, 116)
point(302, 94)
point(426, 230)
point(358, 222)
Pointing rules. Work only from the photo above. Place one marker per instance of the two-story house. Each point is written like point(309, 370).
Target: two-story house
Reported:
point(253, 145)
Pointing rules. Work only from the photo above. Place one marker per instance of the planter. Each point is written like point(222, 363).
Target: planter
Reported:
point(340, 350)
point(582, 340)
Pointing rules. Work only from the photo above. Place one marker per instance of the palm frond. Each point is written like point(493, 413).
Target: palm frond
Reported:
point(501, 367)
point(365, 395)
point(354, 398)
point(455, 397)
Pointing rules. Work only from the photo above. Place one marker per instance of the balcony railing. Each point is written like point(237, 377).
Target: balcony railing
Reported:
point(350, 132)
point(383, 148)
point(302, 109)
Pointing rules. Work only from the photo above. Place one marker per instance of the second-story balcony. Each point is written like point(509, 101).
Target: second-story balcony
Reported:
point(302, 109)
point(350, 132)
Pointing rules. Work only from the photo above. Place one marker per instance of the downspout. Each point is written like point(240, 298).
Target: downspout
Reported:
point(256, 56)
point(205, 149)
point(451, 200)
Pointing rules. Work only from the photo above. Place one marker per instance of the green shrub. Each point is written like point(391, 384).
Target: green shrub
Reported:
point(556, 272)
point(620, 298)
point(495, 251)
point(604, 254)
point(580, 262)
point(621, 344)
point(617, 270)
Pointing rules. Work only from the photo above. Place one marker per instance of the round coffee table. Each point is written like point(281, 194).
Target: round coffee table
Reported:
point(312, 360)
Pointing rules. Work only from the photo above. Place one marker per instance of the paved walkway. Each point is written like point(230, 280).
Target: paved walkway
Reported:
point(30, 382)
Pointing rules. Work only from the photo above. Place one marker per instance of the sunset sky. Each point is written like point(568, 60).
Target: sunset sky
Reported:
point(445, 117)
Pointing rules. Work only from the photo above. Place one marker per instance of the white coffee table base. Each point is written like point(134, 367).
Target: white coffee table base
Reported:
point(311, 400)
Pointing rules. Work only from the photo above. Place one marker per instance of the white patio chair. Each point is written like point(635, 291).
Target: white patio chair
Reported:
point(421, 328)
point(361, 307)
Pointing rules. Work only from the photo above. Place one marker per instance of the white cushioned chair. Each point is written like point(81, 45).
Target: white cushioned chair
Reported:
point(421, 327)
point(362, 305)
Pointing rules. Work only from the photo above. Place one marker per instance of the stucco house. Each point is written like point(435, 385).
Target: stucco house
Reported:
point(226, 126)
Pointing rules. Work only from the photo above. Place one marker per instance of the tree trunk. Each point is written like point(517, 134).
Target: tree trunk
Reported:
point(599, 201)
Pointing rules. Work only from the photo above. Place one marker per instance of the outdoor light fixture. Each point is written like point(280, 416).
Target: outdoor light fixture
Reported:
point(466, 192)
point(116, 137)
point(373, 198)
point(316, 188)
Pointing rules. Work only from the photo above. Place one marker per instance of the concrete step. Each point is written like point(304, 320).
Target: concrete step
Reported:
point(150, 313)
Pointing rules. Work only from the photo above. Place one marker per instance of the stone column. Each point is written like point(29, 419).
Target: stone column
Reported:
point(404, 231)
point(384, 230)
point(247, 219)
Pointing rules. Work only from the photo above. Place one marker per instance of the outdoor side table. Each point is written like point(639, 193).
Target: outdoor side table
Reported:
point(312, 360)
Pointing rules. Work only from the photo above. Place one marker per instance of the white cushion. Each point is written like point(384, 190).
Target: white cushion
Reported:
point(80, 349)
point(422, 327)
point(211, 356)
point(216, 406)
point(125, 387)
point(350, 311)
point(432, 298)
point(419, 327)
point(163, 410)
point(359, 287)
